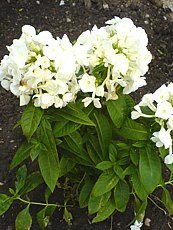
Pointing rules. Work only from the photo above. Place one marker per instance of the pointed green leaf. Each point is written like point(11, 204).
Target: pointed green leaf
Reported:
point(75, 115)
point(106, 181)
point(140, 208)
point(113, 153)
point(30, 120)
point(117, 110)
point(105, 212)
point(132, 130)
point(66, 165)
point(121, 195)
point(32, 181)
point(167, 200)
point(138, 186)
point(104, 165)
point(22, 153)
point(21, 177)
point(85, 193)
point(96, 203)
point(5, 203)
point(63, 128)
point(104, 131)
point(149, 168)
point(67, 216)
point(23, 220)
point(43, 216)
point(48, 160)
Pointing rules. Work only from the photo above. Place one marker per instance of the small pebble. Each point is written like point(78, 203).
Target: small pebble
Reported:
point(11, 141)
point(146, 22)
point(73, 4)
point(38, 2)
point(61, 3)
point(105, 6)
point(1, 183)
point(147, 222)
point(0, 129)
point(68, 19)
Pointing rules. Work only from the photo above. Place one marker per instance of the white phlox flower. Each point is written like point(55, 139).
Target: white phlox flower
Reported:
point(162, 138)
point(96, 101)
point(87, 83)
point(161, 94)
point(164, 110)
point(170, 123)
point(136, 226)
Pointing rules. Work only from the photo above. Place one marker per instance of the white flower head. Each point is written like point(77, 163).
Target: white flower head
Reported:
point(169, 159)
point(87, 83)
point(136, 226)
point(170, 123)
point(164, 110)
point(28, 30)
point(161, 94)
point(162, 137)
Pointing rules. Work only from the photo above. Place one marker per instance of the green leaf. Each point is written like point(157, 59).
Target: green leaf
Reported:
point(121, 195)
point(104, 132)
point(37, 149)
point(75, 115)
point(48, 160)
point(132, 130)
point(32, 182)
point(138, 186)
point(96, 203)
point(92, 153)
point(167, 200)
point(104, 165)
point(134, 156)
point(22, 153)
point(139, 210)
point(67, 216)
point(21, 177)
point(23, 220)
point(5, 203)
point(63, 128)
point(106, 181)
point(119, 171)
point(66, 165)
point(131, 169)
point(74, 143)
point(93, 148)
point(47, 194)
point(149, 168)
point(43, 216)
point(105, 212)
point(30, 120)
point(117, 110)
point(113, 153)
point(85, 193)
point(49, 170)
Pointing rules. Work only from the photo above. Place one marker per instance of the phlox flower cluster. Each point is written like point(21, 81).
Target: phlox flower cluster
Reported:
point(52, 71)
point(160, 107)
point(120, 51)
point(40, 67)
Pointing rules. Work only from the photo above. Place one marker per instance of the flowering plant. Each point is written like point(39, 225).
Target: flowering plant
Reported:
point(79, 121)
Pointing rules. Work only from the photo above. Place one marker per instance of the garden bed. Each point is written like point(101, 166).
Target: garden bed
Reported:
point(72, 19)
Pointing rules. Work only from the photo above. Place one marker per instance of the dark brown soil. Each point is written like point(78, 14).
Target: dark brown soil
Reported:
point(72, 19)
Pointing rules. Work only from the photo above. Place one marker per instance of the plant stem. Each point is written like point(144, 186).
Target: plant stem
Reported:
point(157, 205)
point(38, 203)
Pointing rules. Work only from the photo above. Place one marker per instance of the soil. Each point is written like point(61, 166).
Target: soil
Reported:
point(72, 19)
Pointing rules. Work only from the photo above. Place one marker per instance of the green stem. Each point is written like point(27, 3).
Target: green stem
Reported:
point(38, 203)
point(157, 205)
